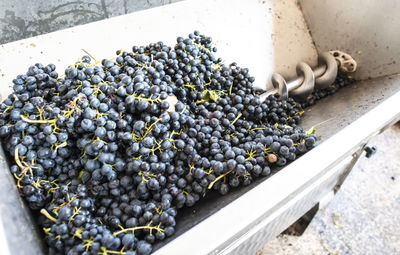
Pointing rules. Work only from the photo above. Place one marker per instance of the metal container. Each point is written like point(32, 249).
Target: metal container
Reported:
point(266, 36)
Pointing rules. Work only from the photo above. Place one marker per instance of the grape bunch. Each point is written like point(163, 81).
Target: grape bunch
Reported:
point(109, 151)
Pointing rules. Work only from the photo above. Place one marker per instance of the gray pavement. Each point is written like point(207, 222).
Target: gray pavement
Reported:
point(25, 18)
point(363, 217)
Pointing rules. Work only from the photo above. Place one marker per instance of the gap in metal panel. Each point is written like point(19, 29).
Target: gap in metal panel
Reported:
point(298, 227)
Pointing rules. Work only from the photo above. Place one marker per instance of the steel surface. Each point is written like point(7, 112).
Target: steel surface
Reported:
point(368, 30)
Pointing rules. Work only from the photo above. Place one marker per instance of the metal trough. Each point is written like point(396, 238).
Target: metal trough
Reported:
point(267, 37)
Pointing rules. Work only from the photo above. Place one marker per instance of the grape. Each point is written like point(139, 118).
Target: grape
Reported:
point(109, 153)
point(341, 81)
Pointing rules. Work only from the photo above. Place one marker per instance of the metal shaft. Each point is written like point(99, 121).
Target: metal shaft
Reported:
point(294, 84)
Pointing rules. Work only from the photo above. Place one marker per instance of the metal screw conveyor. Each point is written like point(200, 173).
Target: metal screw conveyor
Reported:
point(309, 79)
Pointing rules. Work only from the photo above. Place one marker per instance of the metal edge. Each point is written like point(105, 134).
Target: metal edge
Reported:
point(16, 218)
point(287, 212)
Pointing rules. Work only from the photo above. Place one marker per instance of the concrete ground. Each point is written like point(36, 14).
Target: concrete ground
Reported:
point(25, 18)
point(363, 217)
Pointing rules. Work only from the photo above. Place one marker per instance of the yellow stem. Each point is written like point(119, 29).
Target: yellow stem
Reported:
point(37, 121)
point(230, 89)
point(256, 129)
point(137, 228)
point(47, 214)
point(104, 251)
point(218, 178)
point(61, 145)
point(17, 160)
point(150, 128)
point(233, 122)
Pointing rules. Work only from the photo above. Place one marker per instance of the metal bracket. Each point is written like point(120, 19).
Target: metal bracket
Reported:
point(345, 61)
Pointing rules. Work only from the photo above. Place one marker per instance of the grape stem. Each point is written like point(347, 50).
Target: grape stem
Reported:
point(104, 251)
point(78, 233)
point(254, 129)
point(233, 122)
point(218, 178)
point(88, 243)
point(36, 121)
point(90, 55)
point(230, 89)
point(251, 154)
point(47, 214)
point(140, 227)
point(150, 128)
point(25, 168)
point(17, 160)
point(61, 145)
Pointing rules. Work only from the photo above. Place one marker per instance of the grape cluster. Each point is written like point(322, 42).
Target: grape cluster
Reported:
point(342, 80)
point(110, 151)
